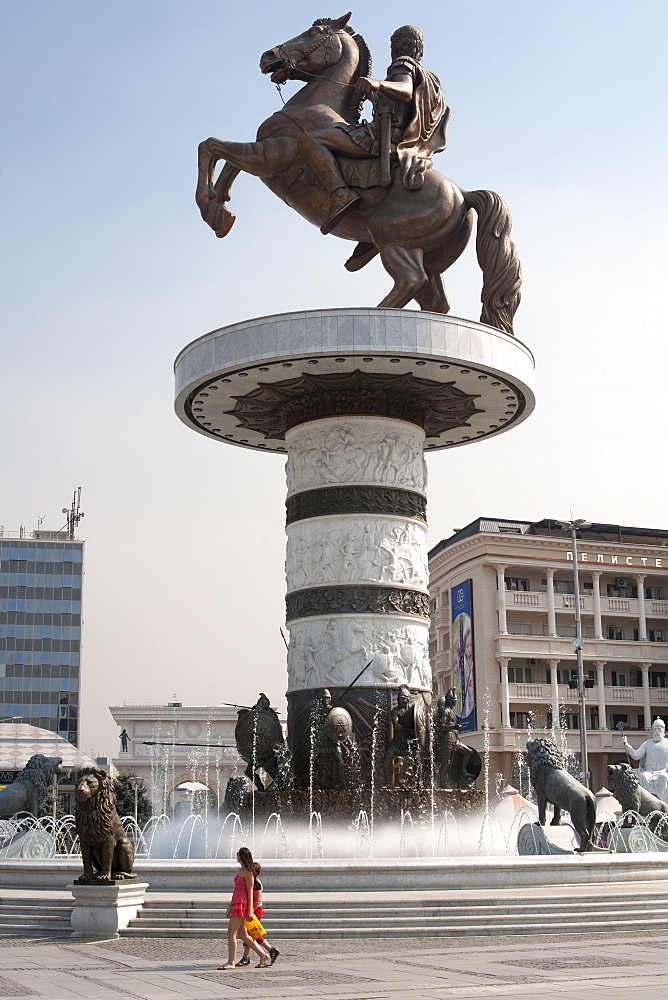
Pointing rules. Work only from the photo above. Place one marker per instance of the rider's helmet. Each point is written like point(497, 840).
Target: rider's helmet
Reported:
point(407, 41)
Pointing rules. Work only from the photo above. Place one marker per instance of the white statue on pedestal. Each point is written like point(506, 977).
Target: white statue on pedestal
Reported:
point(653, 757)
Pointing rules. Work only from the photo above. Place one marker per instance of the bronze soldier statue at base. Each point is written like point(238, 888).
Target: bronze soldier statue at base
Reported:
point(457, 766)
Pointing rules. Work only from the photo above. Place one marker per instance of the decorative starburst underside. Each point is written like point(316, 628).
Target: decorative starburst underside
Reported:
point(272, 410)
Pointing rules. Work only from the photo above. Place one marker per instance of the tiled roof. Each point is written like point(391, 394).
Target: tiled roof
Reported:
point(19, 742)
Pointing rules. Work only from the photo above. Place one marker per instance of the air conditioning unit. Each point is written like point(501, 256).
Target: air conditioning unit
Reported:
point(621, 581)
point(532, 663)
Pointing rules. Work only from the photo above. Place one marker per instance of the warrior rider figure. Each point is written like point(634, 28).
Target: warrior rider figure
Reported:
point(409, 119)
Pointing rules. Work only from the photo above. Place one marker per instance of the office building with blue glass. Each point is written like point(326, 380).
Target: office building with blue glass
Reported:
point(40, 630)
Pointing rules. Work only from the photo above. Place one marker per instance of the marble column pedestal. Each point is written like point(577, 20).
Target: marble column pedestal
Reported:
point(354, 398)
point(101, 911)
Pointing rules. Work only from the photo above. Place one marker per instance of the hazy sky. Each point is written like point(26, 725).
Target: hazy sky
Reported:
point(108, 271)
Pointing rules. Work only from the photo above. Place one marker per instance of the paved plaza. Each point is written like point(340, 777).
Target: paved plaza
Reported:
point(570, 967)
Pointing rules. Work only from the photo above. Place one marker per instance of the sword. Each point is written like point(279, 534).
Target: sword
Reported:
point(385, 147)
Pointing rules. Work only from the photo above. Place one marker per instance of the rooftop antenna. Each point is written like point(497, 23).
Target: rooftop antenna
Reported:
point(40, 519)
point(74, 514)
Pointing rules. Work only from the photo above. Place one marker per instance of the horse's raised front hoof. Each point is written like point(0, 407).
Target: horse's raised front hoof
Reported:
point(218, 217)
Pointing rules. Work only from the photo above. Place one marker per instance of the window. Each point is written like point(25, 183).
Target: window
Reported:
point(618, 678)
point(622, 587)
point(515, 583)
point(445, 599)
point(520, 675)
point(653, 635)
point(615, 632)
point(657, 679)
point(563, 587)
point(617, 717)
point(564, 675)
point(593, 724)
point(433, 648)
point(641, 722)
point(519, 720)
point(519, 628)
point(568, 631)
point(433, 605)
point(653, 593)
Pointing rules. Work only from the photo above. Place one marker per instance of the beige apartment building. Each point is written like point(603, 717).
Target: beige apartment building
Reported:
point(523, 624)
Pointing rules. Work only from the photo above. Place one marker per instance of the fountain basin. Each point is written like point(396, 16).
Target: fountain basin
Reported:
point(360, 874)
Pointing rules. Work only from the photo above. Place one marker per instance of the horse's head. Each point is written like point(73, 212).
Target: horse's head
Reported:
point(309, 54)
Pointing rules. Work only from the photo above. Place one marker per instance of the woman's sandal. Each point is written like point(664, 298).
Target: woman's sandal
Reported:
point(263, 965)
point(225, 967)
point(242, 961)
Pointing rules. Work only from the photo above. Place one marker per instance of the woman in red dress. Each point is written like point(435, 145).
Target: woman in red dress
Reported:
point(240, 909)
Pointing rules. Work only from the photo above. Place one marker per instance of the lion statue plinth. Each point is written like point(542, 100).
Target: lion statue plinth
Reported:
point(106, 852)
point(552, 783)
point(630, 794)
point(29, 786)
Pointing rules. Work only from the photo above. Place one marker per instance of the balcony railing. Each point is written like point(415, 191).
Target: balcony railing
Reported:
point(626, 694)
point(529, 691)
point(613, 695)
point(609, 605)
point(515, 739)
point(561, 648)
point(524, 600)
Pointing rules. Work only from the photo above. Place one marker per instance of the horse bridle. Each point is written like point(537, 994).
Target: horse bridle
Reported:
point(325, 37)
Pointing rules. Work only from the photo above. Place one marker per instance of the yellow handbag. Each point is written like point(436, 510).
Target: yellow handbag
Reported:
point(254, 928)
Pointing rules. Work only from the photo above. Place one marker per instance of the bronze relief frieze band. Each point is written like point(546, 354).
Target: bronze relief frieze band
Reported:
point(355, 500)
point(350, 599)
point(272, 410)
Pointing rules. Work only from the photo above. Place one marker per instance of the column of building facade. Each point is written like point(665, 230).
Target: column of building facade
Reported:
point(642, 618)
point(600, 690)
point(505, 694)
point(647, 706)
point(551, 614)
point(598, 620)
point(554, 693)
point(501, 589)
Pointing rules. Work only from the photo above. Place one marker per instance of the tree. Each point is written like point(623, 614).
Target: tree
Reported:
point(125, 798)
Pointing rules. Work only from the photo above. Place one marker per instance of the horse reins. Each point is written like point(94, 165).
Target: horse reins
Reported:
point(289, 61)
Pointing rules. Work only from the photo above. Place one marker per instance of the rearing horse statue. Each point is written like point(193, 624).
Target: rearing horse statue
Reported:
point(418, 232)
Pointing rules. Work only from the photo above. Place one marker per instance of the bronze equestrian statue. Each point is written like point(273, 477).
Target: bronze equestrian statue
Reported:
point(369, 183)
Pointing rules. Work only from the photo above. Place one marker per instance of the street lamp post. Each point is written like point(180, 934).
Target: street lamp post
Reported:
point(135, 782)
point(577, 644)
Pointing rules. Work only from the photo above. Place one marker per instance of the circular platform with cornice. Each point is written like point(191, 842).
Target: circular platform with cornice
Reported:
point(249, 383)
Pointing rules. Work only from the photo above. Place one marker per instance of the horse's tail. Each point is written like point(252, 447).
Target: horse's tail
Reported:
point(497, 256)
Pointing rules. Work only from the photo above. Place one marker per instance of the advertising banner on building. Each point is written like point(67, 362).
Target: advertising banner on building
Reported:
point(463, 666)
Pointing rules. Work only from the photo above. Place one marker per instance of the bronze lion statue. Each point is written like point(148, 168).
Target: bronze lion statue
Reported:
point(106, 852)
point(29, 786)
point(631, 795)
point(552, 783)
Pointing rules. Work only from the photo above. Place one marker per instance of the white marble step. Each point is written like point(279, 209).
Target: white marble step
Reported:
point(567, 925)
